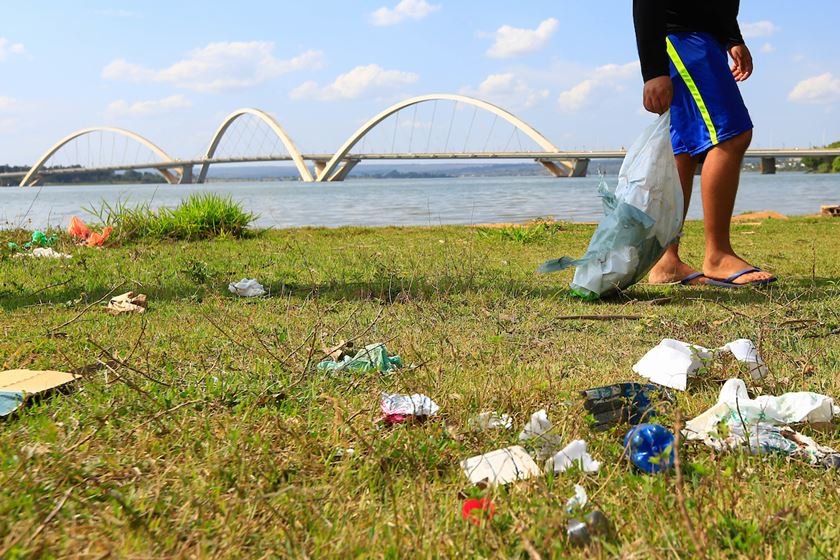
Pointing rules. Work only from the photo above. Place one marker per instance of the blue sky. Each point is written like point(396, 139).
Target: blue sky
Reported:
point(172, 70)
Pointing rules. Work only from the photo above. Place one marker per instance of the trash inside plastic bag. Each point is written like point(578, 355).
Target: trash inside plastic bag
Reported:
point(373, 357)
point(672, 362)
point(247, 287)
point(399, 408)
point(643, 217)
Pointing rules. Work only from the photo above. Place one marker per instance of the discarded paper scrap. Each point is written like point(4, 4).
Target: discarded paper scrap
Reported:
point(672, 362)
point(128, 302)
point(247, 287)
point(16, 384)
point(573, 454)
point(501, 466)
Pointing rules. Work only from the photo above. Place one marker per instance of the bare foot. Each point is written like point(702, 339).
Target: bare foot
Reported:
point(723, 266)
point(670, 270)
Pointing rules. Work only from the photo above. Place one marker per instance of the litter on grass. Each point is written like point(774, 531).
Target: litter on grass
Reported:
point(573, 454)
point(373, 357)
point(490, 421)
point(540, 429)
point(477, 510)
point(650, 447)
point(501, 466)
point(86, 236)
point(128, 302)
point(578, 501)
point(17, 385)
point(399, 408)
point(622, 403)
point(247, 287)
point(761, 422)
point(672, 362)
point(44, 253)
point(39, 240)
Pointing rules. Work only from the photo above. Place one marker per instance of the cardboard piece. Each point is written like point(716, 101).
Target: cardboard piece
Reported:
point(17, 384)
point(501, 466)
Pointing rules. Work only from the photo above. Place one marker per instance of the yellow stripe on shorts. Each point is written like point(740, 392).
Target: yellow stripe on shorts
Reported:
point(692, 87)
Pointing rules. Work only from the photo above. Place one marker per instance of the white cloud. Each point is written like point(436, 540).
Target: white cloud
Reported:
point(513, 41)
point(148, 108)
point(768, 48)
point(218, 66)
point(762, 28)
point(823, 89)
point(508, 91)
point(406, 9)
point(7, 48)
point(354, 84)
point(609, 76)
point(7, 103)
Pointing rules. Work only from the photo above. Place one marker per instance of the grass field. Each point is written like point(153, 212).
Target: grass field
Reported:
point(203, 429)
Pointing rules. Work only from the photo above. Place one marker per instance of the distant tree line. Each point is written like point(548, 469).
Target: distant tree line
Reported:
point(86, 177)
point(823, 164)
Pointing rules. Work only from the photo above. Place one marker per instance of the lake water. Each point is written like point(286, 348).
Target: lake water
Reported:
point(376, 202)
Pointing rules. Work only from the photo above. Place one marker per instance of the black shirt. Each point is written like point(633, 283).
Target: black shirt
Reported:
point(655, 19)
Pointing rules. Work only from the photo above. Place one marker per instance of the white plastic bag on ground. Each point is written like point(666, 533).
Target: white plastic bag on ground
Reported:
point(643, 216)
point(247, 287)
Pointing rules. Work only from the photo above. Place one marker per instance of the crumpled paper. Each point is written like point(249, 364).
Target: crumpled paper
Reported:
point(490, 421)
point(128, 302)
point(672, 362)
point(398, 408)
point(45, 252)
point(763, 421)
point(540, 428)
point(573, 454)
point(577, 501)
point(247, 287)
point(373, 357)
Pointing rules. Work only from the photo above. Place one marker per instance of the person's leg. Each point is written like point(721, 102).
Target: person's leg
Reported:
point(719, 185)
point(670, 268)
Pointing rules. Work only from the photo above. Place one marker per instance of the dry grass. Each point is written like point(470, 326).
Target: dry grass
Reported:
point(202, 429)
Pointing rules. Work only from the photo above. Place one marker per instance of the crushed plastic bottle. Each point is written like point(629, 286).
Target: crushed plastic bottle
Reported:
point(650, 447)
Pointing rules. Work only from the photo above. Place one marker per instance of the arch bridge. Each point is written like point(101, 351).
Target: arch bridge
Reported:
point(336, 166)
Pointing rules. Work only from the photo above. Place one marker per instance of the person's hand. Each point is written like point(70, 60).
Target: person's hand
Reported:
point(658, 94)
point(742, 62)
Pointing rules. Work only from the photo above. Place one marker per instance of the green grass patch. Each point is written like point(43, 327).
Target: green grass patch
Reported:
point(202, 428)
point(201, 216)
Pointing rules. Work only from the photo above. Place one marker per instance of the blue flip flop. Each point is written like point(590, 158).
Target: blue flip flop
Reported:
point(730, 282)
point(693, 276)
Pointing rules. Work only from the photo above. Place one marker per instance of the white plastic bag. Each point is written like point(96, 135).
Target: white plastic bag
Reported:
point(643, 216)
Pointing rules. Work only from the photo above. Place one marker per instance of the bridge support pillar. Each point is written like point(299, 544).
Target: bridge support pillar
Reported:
point(566, 167)
point(768, 166)
point(186, 175)
point(319, 165)
point(344, 170)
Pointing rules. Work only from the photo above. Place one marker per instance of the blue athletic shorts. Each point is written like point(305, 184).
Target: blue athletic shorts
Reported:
point(707, 107)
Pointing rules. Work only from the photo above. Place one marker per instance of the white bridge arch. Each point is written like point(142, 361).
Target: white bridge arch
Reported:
point(330, 170)
point(305, 174)
point(171, 177)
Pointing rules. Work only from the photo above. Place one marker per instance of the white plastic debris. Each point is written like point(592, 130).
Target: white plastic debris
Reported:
point(672, 362)
point(501, 466)
point(490, 421)
point(45, 252)
point(574, 453)
point(398, 408)
point(578, 500)
point(247, 287)
point(735, 407)
point(540, 428)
